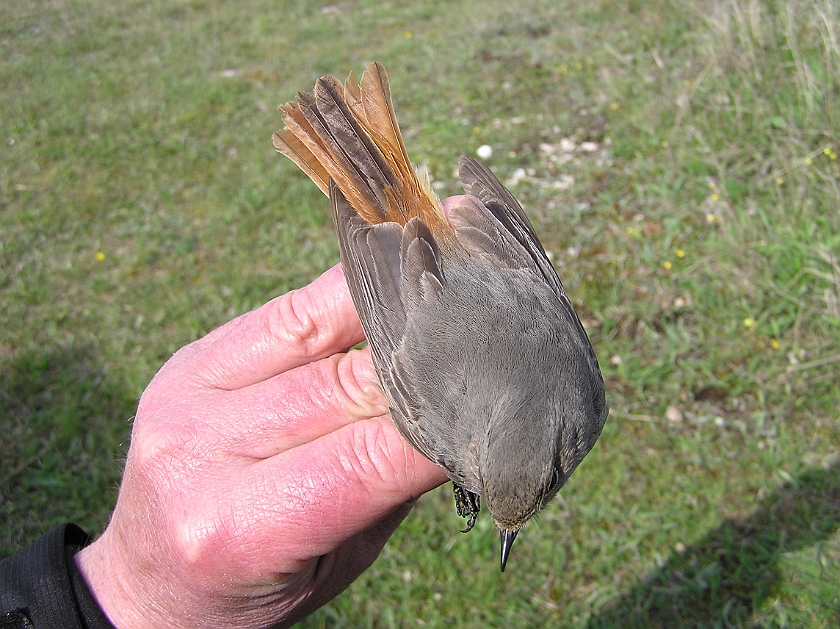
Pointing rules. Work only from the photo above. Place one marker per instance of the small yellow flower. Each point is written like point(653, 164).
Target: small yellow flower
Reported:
point(775, 344)
point(715, 197)
point(408, 34)
point(578, 66)
point(827, 150)
point(667, 265)
point(100, 256)
point(630, 231)
point(832, 156)
point(680, 253)
point(710, 218)
point(809, 161)
point(780, 180)
point(614, 106)
point(749, 323)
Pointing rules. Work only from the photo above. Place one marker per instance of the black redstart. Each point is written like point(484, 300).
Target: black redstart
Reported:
point(486, 366)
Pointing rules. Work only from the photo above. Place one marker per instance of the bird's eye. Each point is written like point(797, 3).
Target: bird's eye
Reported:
point(555, 480)
point(552, 488)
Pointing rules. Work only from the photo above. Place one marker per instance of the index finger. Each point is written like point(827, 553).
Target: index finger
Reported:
point(295, 329)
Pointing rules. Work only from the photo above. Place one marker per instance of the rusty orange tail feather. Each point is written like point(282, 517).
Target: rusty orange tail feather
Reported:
point(350, 134)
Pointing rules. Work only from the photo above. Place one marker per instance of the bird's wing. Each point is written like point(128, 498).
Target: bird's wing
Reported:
point(370, 255)
point(480, 182)
point(503, 230)
point(388, 267)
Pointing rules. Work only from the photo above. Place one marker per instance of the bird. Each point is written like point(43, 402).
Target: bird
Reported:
point(486, 367)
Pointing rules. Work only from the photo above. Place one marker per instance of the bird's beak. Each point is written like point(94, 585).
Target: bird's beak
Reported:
point(507, 542)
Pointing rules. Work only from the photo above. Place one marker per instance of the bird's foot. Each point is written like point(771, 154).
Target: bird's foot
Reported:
point(467, 504)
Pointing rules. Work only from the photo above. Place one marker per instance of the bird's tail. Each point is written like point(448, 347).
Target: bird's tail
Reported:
point(350, 133)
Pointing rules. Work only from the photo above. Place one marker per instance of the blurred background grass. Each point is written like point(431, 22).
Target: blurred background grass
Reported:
point(679, 161)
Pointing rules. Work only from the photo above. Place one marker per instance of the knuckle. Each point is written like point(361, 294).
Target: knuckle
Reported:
point(349, 382)
point(156, 458)
point(163, 447)
point(199, 540)
point(292, 321)
point(374, 457)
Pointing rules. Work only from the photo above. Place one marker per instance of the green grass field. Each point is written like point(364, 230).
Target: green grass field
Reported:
point(679, 161)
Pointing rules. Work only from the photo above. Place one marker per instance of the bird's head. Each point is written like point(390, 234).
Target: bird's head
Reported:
point(532, 446)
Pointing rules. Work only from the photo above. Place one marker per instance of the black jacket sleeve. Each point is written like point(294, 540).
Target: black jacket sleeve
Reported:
point(41, 587)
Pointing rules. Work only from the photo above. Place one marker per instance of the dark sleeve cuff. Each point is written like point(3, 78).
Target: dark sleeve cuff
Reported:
point(41, 587)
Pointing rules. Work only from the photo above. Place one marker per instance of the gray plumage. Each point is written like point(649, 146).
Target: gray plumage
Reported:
point(486, 366)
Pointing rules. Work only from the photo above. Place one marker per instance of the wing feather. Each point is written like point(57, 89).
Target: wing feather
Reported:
point(374, 258)
point(480, 182)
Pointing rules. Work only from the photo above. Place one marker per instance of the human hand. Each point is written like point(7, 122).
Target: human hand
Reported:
point(264, 474)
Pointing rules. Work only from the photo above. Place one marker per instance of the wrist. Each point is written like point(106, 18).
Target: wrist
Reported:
point(106, 582)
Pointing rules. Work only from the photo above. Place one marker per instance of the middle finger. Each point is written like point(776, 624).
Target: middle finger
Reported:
point(301, 405)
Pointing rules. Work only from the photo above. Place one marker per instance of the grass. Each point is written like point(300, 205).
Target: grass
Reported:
point(679, 161)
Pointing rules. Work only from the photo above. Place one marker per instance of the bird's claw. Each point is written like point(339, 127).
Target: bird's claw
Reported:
point(467, 504)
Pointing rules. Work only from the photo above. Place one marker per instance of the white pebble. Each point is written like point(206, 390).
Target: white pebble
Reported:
point(485, 151)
